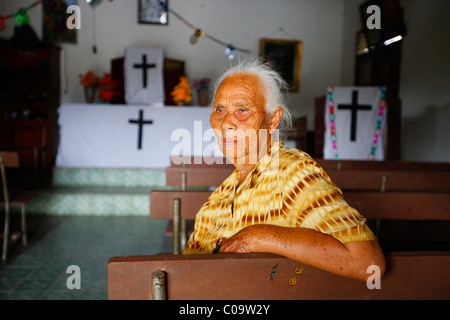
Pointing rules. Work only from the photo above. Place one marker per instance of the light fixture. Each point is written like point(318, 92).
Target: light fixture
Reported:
point(392, 40)
point(93, 3)
point(230, 52)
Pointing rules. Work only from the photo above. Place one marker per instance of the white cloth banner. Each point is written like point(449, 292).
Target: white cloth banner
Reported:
point(356, 113)
point(108, 136)
point(144, 78)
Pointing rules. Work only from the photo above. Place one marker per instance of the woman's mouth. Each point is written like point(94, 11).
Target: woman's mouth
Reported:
point(228, 142)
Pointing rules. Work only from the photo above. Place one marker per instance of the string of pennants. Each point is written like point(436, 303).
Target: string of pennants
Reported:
point(198, 33)
point(21, 16)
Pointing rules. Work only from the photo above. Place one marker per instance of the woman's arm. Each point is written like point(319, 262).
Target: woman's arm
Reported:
point(310, 247)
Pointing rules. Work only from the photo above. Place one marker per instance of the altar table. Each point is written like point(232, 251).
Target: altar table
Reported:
point(132, 136)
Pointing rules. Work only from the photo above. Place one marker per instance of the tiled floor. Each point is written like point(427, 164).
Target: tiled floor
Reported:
point(40, 271)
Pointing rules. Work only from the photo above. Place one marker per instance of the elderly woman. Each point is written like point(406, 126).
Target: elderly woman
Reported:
point(277, 200)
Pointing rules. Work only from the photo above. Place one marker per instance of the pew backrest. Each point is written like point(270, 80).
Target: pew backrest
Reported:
point(393, 180)
point(198, 176)
point(162, 203)
point(371, 204)
point(400, 205)
point(420, 275)
point(347, 175)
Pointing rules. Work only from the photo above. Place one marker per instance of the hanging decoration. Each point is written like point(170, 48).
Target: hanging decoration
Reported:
point(197, 34)
point(332, 121)
point(378, 126)
point(21, 16)
point(230, 50)
point(93, 3)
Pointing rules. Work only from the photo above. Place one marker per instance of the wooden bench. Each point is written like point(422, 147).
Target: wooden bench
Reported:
point(373, 205)
point(180, 207)
point(419, 275)
point(389, 192)
point(198, 172)
point(347, 174)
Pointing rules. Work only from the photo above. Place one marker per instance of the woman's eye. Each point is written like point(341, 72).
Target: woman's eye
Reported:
point(243, 114)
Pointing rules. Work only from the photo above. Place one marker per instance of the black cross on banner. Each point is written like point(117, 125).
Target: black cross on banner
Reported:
point(144, 66)
point(141, 122)
point(354, 107)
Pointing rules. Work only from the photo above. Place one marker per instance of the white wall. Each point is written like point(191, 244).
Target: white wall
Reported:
point(240, 22)
point(326, 27)
point(424, 79)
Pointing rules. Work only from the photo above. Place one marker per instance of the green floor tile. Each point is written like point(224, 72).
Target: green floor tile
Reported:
point(40, 272)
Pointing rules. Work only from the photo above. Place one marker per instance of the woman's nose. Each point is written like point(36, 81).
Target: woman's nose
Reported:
point(228, 123)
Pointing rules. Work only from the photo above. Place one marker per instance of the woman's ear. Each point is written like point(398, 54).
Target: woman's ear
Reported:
point(275, 119)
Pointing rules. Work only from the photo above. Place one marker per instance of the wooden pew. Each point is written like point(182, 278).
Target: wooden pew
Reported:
point(188, 172)
point(373, 205)
point(420, 275)
point(347, 174)
point(198, 171)
point(408, 187)
point(388, 175)
point(180, 207)
point(389, 193)
point(382, 165)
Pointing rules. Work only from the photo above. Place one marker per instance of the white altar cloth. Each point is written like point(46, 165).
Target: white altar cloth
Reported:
point(101, 136)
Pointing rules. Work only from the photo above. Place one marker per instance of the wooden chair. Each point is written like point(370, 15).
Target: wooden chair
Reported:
point(10, 159)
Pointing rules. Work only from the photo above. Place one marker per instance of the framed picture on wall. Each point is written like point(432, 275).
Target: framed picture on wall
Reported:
point(152, 12)
point(54, 25)
point(285, 56)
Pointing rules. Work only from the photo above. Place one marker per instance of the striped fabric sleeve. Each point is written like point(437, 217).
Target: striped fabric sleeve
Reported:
point(320, 205)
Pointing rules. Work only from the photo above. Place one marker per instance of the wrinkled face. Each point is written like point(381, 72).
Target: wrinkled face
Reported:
point(239, 118)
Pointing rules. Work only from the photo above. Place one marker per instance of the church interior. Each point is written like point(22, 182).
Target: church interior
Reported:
point(90, 116)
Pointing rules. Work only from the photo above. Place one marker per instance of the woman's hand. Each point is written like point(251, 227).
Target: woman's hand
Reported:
point(244, 241)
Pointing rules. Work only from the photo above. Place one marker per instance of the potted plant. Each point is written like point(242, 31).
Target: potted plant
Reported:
point(202, 87)
point(107, 86)
point(90, 83)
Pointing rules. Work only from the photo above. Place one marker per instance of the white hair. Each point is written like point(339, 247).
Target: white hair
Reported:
point(273, 84)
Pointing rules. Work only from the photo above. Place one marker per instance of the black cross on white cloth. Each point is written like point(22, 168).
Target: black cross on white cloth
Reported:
point(144, 66)
point(140, 122)
point(354, 107)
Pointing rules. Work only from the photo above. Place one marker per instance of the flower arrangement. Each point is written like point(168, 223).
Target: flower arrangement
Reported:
point(202, 83)
point(107, 86)
point(182, 93)
point(89, 79)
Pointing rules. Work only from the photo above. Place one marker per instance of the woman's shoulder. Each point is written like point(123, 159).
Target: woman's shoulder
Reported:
point(297, 159)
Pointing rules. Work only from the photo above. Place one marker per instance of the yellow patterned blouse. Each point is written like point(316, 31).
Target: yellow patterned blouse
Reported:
point(286, 188)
